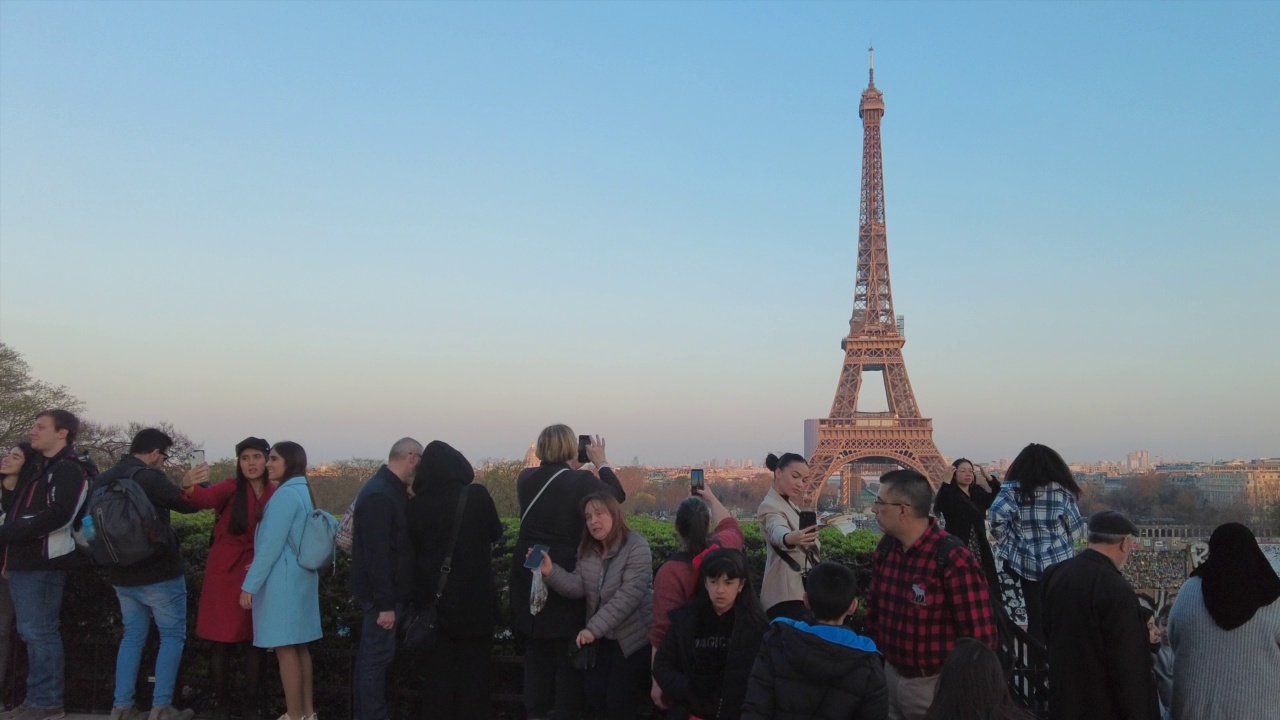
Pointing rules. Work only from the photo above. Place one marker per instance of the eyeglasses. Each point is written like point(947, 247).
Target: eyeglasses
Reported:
point(878, 501)
point(164, 455)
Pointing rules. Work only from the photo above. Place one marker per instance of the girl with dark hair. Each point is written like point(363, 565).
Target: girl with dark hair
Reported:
point(962, 504)
point(15, 465)
point(283, 595)
point(677, 580)
point(706, 656)
point(792, 550)
point(614, 573)
point(1225, 633)
point(972, 686)
point(1036, 523)
point(238, 503)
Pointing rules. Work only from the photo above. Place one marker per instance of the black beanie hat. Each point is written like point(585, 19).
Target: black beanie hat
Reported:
point(442, 464)
point(253, 443)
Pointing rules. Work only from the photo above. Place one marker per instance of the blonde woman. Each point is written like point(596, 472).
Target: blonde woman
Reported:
point(551, 498)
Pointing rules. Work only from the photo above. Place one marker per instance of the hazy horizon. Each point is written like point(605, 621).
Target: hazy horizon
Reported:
point(343, 223)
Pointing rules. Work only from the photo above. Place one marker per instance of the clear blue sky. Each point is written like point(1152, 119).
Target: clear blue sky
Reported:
point(341, 223)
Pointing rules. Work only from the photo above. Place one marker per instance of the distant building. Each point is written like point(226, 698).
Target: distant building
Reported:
point(1138, 461)
point(1223, 485)
point(1263, 492)
point(810, 437)
point(531, 458)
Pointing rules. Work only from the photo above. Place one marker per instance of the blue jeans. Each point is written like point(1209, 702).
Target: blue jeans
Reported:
point(377, 650)
point(37, 602)
point(166, 601)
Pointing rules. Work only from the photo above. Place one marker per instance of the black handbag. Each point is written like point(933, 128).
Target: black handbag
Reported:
point(422, 623)
point(583, 658)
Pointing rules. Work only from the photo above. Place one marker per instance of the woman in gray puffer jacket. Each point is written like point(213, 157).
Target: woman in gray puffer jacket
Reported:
point(615, 575)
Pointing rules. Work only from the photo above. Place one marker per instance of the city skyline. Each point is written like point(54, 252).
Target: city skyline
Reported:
point(340, 224)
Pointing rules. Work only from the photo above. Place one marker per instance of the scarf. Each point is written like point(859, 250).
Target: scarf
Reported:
point(1236, 580)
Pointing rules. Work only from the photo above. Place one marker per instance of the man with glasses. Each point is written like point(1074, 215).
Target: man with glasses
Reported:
point(381, 571)
point(1099, 659)
point(153, 588)
point(927, 591)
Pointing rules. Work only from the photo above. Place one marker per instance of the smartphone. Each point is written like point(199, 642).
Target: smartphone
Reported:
point(534, 560)
point(696, 482)
point(808, 518)
point(197, 458)
point(583, 442)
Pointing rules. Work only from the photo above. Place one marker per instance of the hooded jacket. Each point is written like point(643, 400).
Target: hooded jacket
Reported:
point(469, 606)
point(675, 666)
point(816, 671)
point(37, 529)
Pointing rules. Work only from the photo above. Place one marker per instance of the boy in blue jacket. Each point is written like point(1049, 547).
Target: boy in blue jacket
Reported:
point(824, 670)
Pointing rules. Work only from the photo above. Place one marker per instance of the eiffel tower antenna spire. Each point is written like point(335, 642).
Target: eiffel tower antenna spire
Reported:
point(872, 72)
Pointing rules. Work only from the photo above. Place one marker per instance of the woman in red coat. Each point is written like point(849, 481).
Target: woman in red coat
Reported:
point(238, 503)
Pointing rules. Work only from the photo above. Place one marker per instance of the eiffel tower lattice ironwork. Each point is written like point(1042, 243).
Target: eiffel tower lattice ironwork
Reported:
point(874, 343)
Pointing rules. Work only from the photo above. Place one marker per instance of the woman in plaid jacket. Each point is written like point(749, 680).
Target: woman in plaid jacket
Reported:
point(1036, 522)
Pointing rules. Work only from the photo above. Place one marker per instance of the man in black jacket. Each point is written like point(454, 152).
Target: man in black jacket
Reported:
point(155, 587)
point(381, 572)
point(823, 671)
point(39, 551)
point(1099, 662)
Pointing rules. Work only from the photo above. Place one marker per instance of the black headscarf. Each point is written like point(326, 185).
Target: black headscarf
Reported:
point(1236, 580)
point(441, 465)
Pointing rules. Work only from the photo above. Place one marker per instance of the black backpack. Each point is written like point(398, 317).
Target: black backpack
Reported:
point(126, 527)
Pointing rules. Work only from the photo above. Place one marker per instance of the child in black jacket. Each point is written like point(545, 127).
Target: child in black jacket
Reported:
point(824, 671)
point(705, 658)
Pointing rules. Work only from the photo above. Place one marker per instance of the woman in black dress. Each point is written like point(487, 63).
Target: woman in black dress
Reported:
point(962, 504)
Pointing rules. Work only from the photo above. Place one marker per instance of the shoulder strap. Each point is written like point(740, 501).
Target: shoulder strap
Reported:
point(945, 546)
point(535, 497)
point(447, 566)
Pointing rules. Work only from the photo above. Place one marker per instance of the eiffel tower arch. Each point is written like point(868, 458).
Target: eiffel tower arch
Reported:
point(874, 344)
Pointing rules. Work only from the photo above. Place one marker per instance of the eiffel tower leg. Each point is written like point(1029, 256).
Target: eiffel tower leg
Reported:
point(846, 401)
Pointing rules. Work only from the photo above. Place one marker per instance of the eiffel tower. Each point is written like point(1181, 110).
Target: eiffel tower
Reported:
point(900, 435)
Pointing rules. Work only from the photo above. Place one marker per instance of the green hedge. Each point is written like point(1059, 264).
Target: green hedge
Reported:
point(91, 615)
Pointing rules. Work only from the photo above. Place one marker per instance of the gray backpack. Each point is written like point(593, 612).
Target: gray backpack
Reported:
point(126, 527)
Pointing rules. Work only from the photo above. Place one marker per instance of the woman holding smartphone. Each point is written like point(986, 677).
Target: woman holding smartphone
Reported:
point(551, 514)
point(792, 546)
point(238, 503)
point(283, 595)
point(614, 574)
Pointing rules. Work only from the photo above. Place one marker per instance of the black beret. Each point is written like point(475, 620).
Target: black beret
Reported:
point(1110, 522)
point(253, 443)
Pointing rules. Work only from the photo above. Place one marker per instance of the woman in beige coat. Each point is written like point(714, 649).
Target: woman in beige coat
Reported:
point(791, 549)
point(615, 574)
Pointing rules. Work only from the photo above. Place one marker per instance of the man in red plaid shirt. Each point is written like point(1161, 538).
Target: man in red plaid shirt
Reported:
point(927, 591)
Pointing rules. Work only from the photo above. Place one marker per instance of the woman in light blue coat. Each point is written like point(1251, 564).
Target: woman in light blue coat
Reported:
point(285, 597)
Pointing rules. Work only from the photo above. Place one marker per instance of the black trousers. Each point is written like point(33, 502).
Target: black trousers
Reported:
point(455, 679)
point(550, 681)
point(618, 685)
point(1035, 605)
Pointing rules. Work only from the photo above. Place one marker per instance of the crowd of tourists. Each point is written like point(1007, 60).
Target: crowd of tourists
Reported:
point(1156, 569)
point(603, 634)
